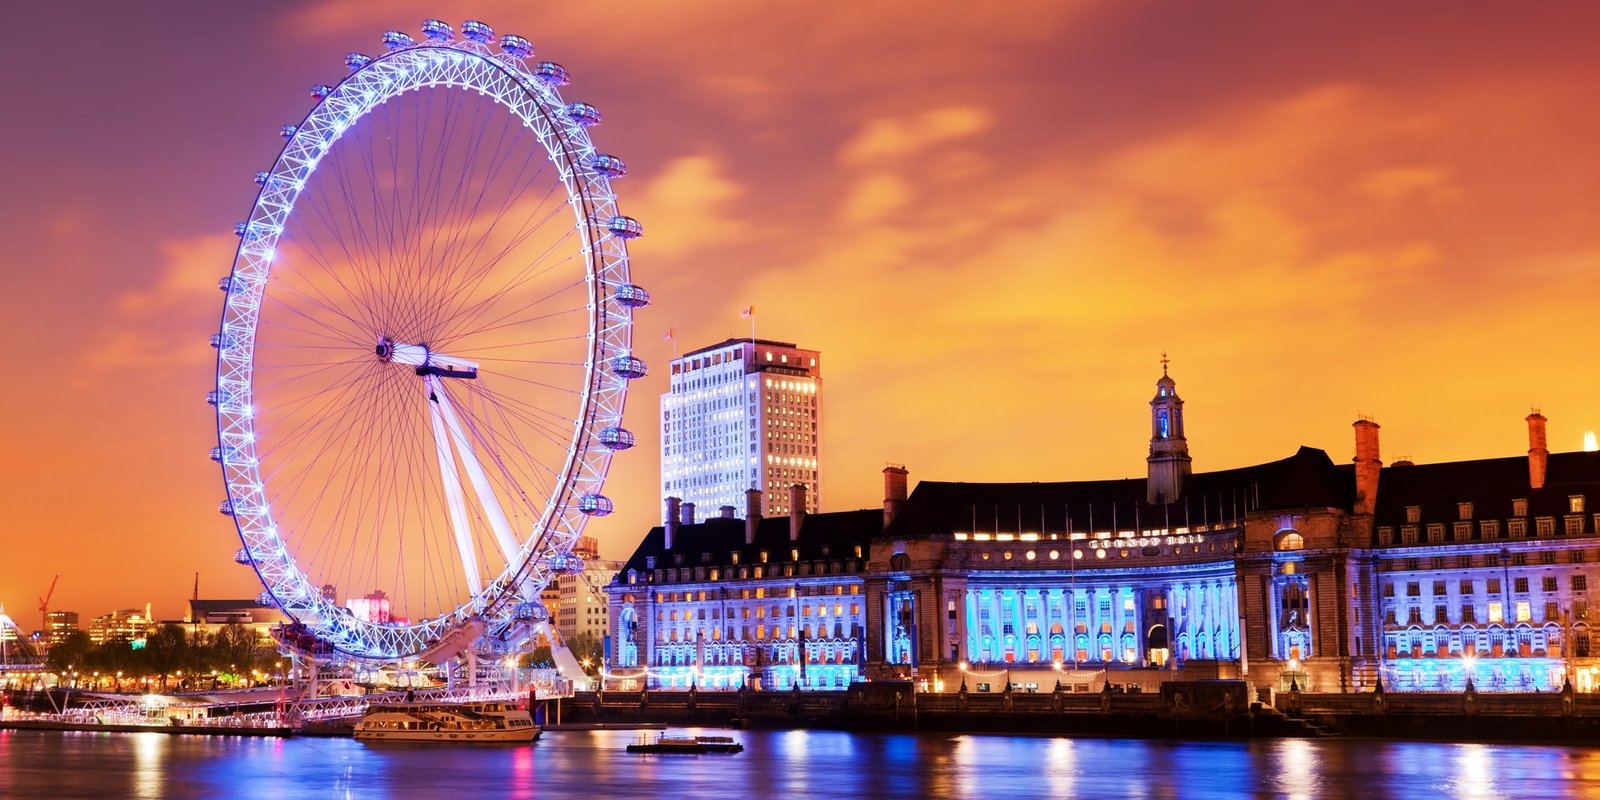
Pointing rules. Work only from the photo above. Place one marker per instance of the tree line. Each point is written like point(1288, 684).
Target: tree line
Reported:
point(168, 655)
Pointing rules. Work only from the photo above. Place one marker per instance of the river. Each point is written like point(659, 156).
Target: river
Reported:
point(783, 764)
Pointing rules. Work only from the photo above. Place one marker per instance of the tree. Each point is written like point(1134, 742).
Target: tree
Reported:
point(166, 651)
point(70, 654)
point(588, 649)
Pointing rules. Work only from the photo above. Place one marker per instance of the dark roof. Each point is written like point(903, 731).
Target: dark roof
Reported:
point(839, 531)
point(741, 340)
point(1307, 479)
point(1489, 484)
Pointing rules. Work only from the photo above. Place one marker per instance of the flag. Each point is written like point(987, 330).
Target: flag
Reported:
point(671, 333)
point(747, 311)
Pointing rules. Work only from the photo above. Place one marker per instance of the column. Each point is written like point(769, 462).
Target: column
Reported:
point(997, 626)
point(1018, 626)
point(969, 603)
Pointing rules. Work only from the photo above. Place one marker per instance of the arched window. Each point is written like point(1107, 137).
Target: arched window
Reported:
point(1290, 540)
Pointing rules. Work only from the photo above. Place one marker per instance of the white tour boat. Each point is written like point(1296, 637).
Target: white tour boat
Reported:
point(442, 722)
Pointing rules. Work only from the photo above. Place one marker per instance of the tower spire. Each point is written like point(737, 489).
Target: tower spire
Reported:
point(1169, 461)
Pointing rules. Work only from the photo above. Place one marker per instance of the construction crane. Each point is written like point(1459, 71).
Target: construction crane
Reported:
point(44, 607)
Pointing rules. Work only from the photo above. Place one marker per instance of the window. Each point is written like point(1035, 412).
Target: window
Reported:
point(1414, 617)
point(1438, 588)
point(1580, 583)
point(1546, 526)
point(1408, 534)
point(1441, 614)
point(1388, 590)
point(1436, 532)
point(1413, 513)
point(1575, 504)
point(1463, 561)
point(1413, 589)
point(1469, 613)
point(1494, 586)
point(1386, 534)
point(1462, 531)
point(1388, 617)
point(1549, 583)
point(1465, 587)
point(1463, 511)
point(1519, 508)
point(1519, 559)
point(1547, 557)
point(1411, 563)
point(1524, 612)
point(1518, 528)
point(1519, 585)
point(1490, 528)
point(1552, 612)
point(1290, 540)
point(1496, 613)
point(1574, 526)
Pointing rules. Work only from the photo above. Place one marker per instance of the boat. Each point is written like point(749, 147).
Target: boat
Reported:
point(668, 743)
point(447, 722)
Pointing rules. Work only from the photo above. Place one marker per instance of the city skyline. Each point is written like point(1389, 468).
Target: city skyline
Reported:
point(991, 250)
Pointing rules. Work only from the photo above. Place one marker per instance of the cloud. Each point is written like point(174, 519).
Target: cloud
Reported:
point(901, 137)
point(688, 205)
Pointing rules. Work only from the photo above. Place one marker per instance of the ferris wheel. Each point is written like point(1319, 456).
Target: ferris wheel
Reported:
point(425, 348)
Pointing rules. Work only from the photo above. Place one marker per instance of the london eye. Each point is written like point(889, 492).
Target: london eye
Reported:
point(425, 348)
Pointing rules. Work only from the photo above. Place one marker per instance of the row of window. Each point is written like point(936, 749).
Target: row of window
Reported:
point(1469, 613)
point(1548, 583)
point(760, 612)
point(1488, 529)
point(1487, 560)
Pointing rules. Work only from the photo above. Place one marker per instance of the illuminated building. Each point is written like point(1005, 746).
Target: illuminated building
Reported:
point(374, 607)
point(1296, 574)
point(742, 414)
point(210, 616)
point(58, 625)
point(765, 602)
point(125, 624)
point(581, 601)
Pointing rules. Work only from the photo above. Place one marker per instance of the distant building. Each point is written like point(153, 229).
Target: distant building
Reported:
point(581, 602)
point(739, 415)
point(58, 625)
point(125, 624)
point(209, 616)
point(375, 607)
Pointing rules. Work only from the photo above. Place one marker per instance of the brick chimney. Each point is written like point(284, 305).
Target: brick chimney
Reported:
point(894, 491)
point(670, 524)
point(752, 514)
point(688, 514)
point(1368, 465)
point(725, 512)
point(1538, 451)
point(797, 509)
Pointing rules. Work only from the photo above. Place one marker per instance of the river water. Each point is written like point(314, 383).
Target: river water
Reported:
point(783, 764)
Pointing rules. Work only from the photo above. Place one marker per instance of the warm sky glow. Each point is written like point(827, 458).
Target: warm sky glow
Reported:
point(992, 223)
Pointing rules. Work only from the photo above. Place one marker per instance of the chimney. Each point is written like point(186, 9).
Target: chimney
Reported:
point(688, 514)
point(894, 491)
point(797, 509)
point(725, 512)
point(752, 514)
point(1538, 452)
point(1368, 465)
point(671, 521)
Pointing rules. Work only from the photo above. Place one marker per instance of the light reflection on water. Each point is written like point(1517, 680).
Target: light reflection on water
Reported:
point(786, 764)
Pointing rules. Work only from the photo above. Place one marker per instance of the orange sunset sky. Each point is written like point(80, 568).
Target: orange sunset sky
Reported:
point(991, 218)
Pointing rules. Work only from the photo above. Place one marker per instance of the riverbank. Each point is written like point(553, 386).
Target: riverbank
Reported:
point(101, 727)
point(1202, 710)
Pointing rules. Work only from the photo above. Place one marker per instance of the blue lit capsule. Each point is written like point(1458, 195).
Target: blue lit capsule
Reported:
point(614, 438)
point(357, 60)
point(288, 131)
point(552, 73)
point(226, 284)
point(595, 505)
point(218, 397)
point(584, 114)
point(477, 31)
point(321, 90)
point(629, 367)
point(261, 178)
point(242, 556)
point(531, 612)
point(438, 30)
point(225, 508)
point(516, 46)
point(631, 295)
point(266, 599)
point(624, 227)
point(394, 40)
point(222, 341)
point(608, 165)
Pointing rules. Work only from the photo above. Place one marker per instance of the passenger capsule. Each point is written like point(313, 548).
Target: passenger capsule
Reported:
point(615, 438)
point(226, 284)
point(477, 31)
point(226, 508)
point(631, 295)
point(357, 60)
point(607, 165)
point(595, 505)
point(242, 556)
point(222, 341)
point(531, 612)
point(261, 178)
point(394, 40)
point(625, 227)
point(267, 600)
point(218, 397)
point(288, 131)
point(628, 367)
point(552, 73)
point(584, 114)
point(321, 90)
point(437, 30)
point(516, 46)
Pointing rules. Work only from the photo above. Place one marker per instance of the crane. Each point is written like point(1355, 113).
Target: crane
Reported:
point(44, 607)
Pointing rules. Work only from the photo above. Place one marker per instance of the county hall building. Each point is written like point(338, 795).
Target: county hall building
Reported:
point(1299, 573)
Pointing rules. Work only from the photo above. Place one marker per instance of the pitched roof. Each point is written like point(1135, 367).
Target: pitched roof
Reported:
point(838, 531)
point(1307, 479)
point(1490, 484)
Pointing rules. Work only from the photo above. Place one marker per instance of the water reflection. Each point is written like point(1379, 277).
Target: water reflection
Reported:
point(784, 764)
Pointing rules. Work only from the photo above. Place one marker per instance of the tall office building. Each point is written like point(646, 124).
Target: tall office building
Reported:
point(738, 415)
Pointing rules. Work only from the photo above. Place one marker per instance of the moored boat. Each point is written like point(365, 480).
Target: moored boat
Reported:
point(669, 743)
point(447, 722)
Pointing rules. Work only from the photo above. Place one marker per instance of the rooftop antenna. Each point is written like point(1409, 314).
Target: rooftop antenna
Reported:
point(1164, 362)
